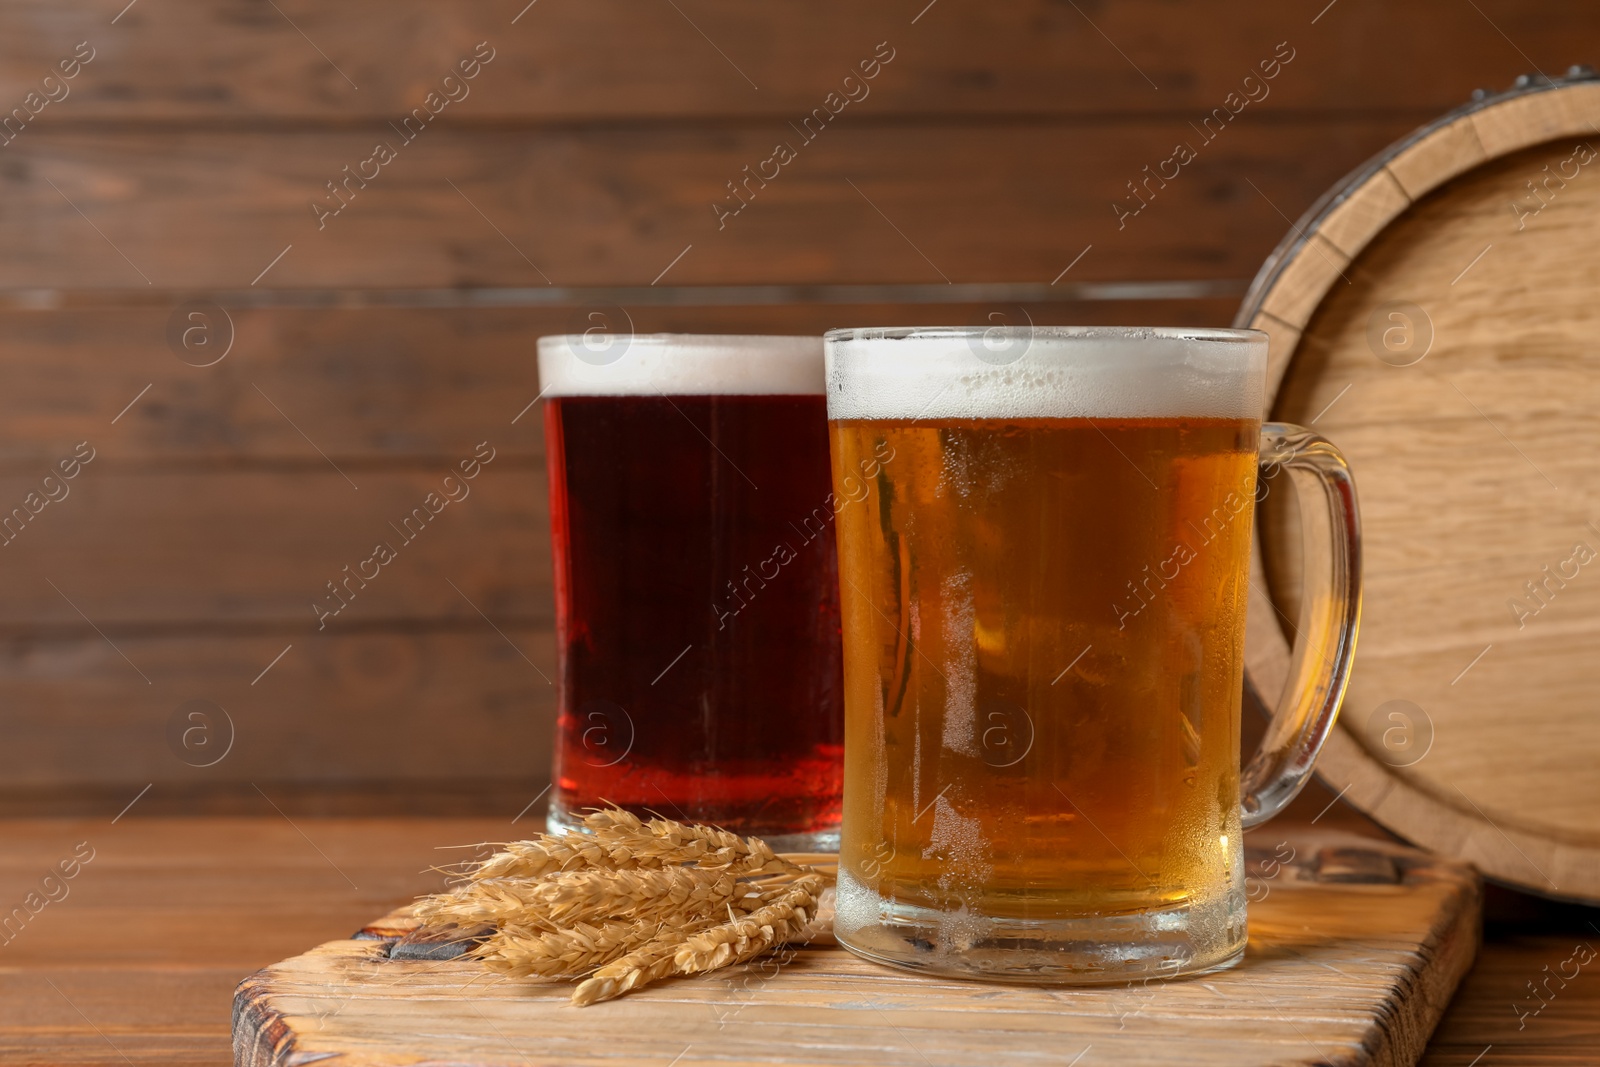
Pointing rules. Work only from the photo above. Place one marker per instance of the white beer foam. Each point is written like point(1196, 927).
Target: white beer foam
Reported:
point(682, 364)
point(1046, 372)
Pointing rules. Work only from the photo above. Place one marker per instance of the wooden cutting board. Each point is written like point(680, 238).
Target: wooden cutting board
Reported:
point(1355, 948)
point(1437, 316)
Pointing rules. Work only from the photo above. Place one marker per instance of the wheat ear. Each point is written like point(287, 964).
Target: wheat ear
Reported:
point(521, 951)
point(668, 841)
point(568, 897)
point(784, 918)
point(639, 968)
point(481, 902)
point(543, 855)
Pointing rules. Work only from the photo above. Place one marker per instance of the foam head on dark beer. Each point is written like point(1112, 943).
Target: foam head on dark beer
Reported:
point(1047, 372)
point(680, 364)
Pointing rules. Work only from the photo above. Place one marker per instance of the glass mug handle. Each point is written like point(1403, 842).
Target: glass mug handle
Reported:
point(1325, 640)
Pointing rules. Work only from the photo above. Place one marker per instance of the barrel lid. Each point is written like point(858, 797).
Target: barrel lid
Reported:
point(1437, 315)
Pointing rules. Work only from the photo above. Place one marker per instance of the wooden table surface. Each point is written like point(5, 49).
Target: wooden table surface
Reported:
point(137, 958)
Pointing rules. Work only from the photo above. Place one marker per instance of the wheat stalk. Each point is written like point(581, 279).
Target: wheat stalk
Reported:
point(629, 902)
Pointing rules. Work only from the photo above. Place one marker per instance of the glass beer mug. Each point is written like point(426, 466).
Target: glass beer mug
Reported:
point(1043, 592)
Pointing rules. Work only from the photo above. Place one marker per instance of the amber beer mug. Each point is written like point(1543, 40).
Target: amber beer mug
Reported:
point(1043, 597)
point(696, 581)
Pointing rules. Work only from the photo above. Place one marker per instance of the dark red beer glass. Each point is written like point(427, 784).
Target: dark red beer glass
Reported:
point(696, 582)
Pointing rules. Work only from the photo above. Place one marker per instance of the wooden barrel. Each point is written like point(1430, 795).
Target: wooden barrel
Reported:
point(1437, 315)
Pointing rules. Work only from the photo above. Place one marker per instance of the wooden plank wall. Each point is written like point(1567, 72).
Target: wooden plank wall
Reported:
point(378, 338)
